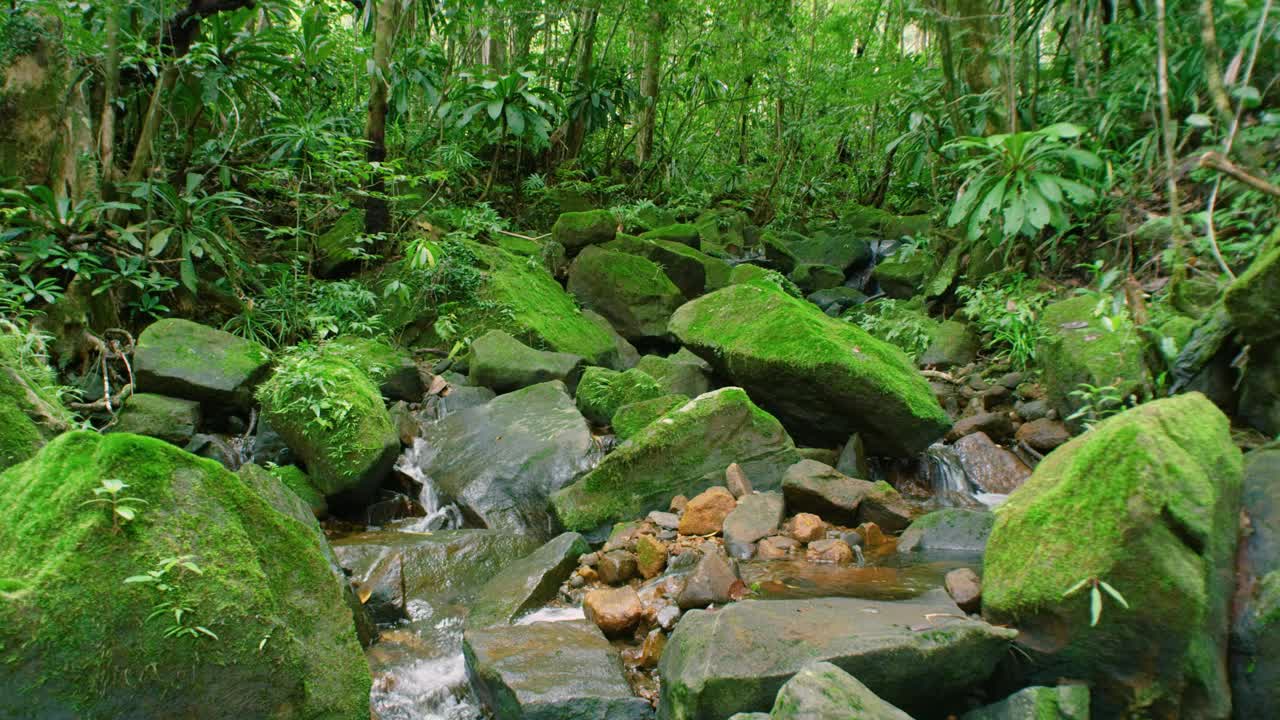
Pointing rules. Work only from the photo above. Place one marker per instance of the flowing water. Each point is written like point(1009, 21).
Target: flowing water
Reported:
point(944, 473)
point(439, 515)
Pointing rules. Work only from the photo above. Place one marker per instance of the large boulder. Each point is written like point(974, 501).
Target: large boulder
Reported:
point(825, 379)
point(173, 420)
point(949, 529)
point(1255, 630)
point(683, 453)
point(31, 409)
point(527, 582)
point(332, 416)
point(285, 640)
point(1081, 348)
point(391, 368)
point(502, 460)
point(686, 234)
point(503, 363)
point(1148, 501)
point(1064, 702)
point(682, 373)
point(1253, 300)
point(576, 230)
point(737, 658)
point(634, 417)
point(844, 252)
point(1260, 388)
point(823, 691)
point(633, 293)
point(183, 359)
point(627, 356)
point(603, 391)
point(549, 671)
point(692, 270)
point(904, 276)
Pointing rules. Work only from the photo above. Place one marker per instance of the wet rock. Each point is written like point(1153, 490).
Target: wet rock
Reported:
point(631, 418)
point(756, 516)
point(668, 616)
point(684, 452)
point(1255, 630)
point(965, 587)
point(187, 360)
point(829, 550)
point(680, 374)
point(736, 480)
point(735, 659)
point(549, 670)
point(678, 504)
point(692, 270)
point(651, 649)
point(651, 556)
point(993, 424)
point(853, 459)
point(872, 536)
point(500, 461)
point(989, 466)
point(827, 380)
point(1043, 435)
point(1149, 501)
point(950, 529)
point(706, 512)
point(170, 419)
point(1064, 702)
point(616, 567)
point(616, 611)
point(1031, 409)
point(630, 291)
point(806, 527)
point(711, 581)
point(627, 356)
point(777, 547)
point(1260, 389)
point(952, 344)
point(528, 582)
point(502, 363)
point(816, 488)
point(837, 299)
point(823, 691)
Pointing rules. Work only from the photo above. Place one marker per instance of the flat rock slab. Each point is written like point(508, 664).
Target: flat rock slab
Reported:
point(527, 582)
point(550, 671)
point(737, 658)
point(187, 360)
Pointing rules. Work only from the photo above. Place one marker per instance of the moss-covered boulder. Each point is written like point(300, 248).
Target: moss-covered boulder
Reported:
point(295, 478)
point(31, 407)
point(723, 231)
point(683, 453)
point(173, 420)
point(1253, 300)
point(1079, 347)
point(502, 363)
point(788, 250)
point(1148, 501)
point(20, 436)
point(1260, 388)
point(603, 391)
point(825, 379)
point(576, 230)
point(683, 373)
point(77, 641)
point(626, 356)
point(810, 277)
point(333, 418)
point(876, 222)
point(337, 250)
point(1064, 702)
point(951, 344)
point(692, 270)
point(183, 359)
point(905, 275)
point(836, 300)
point(632, 292)
point(950, 530)
point(634, 417)
point(686, 234)
point(392, 368)
point(1255, 630)
point(823, 691)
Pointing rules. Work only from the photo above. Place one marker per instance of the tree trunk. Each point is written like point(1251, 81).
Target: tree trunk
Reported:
point(142, 152)
point(578, 125)
point(649, 84)
point(377, 215)
point(110, 87)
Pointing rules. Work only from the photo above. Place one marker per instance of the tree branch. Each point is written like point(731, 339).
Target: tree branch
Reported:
point(1217, 162)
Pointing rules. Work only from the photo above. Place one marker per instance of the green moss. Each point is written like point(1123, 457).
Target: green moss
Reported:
point(171, 419)
point(905, 277)
point(810, 277)
point(633, 417)
point(632, 292)
point(188, 360)
point(747, 273)
point(601, 392)
point(876, 222)
point(332, 415)
point(296, 480)
point(576, 230)
point(1253, 300)
point(337, 247)
point(375, 358)
point(80, 644)
point(693, 271)
point(682, 233)
point(20, 438)
point(1078, 348)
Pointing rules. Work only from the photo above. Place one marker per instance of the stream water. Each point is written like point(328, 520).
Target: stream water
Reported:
point(944, 473)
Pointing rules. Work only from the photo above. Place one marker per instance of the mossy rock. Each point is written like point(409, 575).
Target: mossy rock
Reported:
point(811, 278)
point(634, 417)
point(577, 230)
point(335, 248)
point(952, 344)
point(1148, 501)
point(392, 368)
point(630, 291)
point(333, 418)
point(1260, 389)
point(31, 408)
point(824, 378)
point(836, 300)
point(747, 273)
point(905, 277)
point(601, 392)
point(682, 373)
point(1255, 630)
point(502, 363)
point(722, 231)
point(527, 583)
point(683, 453)
point(626, 356)
point(684, 233)
point(1078, 348)
point(295, 478)
point(1063, 702)
point(187, 360)
point(1253, 300)
point(20, 437)
point(823, 690)
point(1193, 297)
point(875, 222)
point(170, 419)
point(788, 250)
point(693, 271)
point(77, 641)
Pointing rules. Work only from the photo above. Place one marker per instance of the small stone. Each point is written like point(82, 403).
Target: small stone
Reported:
point(588, 574)
point(806, 527)
point(651, 650)
point(614, 610)
point(1043, 435)
point(872, 537)
point(992, 468)
point(1011, 380)
point(965, 587)
point(678, 504)
point(576, 581)
point(853, 459)
point(590, 559)
point(756, 516)
point(994, 424)
point(711, 581)
point(736, 480)
point(777, 547)
point(666, 535)
point(665, 520)
point(705, 513)
point(829, 551)
point(885, 507)
point(668, 616)
point(651, 556)
point(852, 537)
point(995, 396)
point(617, 566)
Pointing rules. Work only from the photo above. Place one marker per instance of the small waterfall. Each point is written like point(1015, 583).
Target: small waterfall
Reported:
point(857, 553)
point(944, 472)
point(440, 516)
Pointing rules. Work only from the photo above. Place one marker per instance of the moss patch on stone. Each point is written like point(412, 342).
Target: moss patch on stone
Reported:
point(576, 230)
point(173, 420)
point(634, 417)
point(631, 291)
point(188, 360)
point(20, 438)
point(295, 478)
point(683, 233)
point(1253, 300)
point(601, 392)
point(1079, 348)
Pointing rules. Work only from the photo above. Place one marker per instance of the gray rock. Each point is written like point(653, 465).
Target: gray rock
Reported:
point(837, 299)
point(989, 466)
point(954, 529)
point(735, 659)
point(630, 291)
point(710, 581)
point(628, 356)
point(549, 671)
point(1255, 631)
point(810, 486)
point(737, 481)
point(527, 582)
point(1064, 702)
point(757, 516)
point(1031, 409)
point(502, 363)
point(617, 566)
point(823, 691)
point(183, 359)
point(667, 520)
point(502, 460)
point(853, 458)
point(679, 374)
point(171, 419)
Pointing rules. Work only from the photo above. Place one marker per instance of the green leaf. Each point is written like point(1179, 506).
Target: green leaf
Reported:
point(1199, 120)
point(1062, 131)
point(1048, 186)
point(1095, 606)
point(1037, 208)
point(494, 108)
point(1074, 588)
point(1015, 214)
point(187, 270)
point(125, 512)
point(515, 120)
point(158, 242)
point(1114, 593)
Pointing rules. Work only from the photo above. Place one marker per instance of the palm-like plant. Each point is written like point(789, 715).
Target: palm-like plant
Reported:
point(1020, 183)
point(515, 105)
